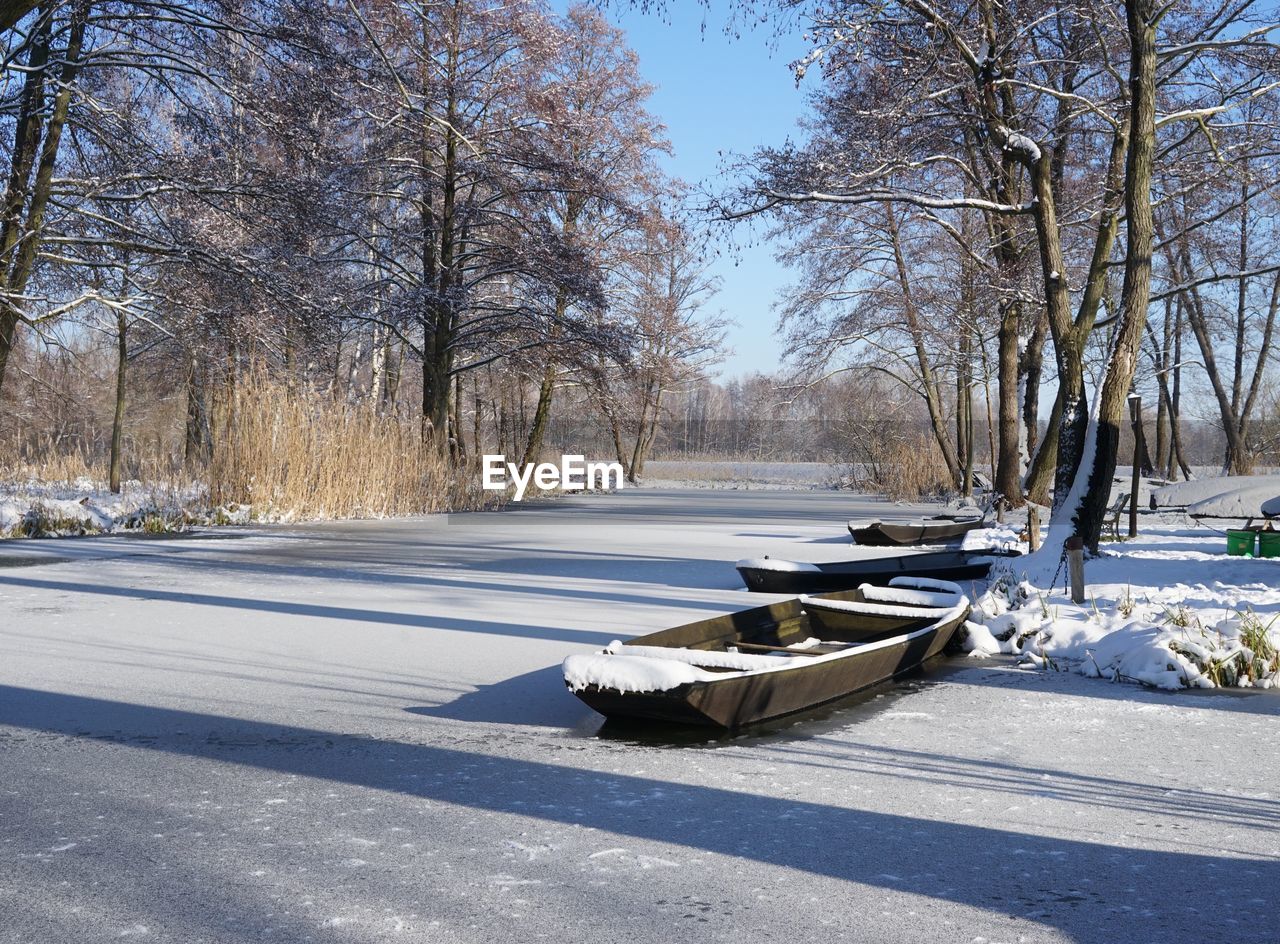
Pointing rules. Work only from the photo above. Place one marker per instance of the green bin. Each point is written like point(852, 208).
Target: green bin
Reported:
point(1241, 543)
point(1269, 543)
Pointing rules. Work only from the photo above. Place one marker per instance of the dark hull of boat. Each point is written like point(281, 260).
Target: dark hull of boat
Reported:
point(745, 699)
point(907, 533)
point(749, 699)
point(845, 575)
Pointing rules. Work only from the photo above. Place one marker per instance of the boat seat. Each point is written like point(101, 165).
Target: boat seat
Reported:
point(819, 647)
point(873, 609)
point(926, 583)
point(908, 595)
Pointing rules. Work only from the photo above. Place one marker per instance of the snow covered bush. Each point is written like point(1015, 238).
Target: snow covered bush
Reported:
point(1167, 647)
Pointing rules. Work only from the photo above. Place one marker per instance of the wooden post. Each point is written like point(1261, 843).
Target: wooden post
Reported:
point(1135, 416)
point(1075, 567)
point(1033, 528)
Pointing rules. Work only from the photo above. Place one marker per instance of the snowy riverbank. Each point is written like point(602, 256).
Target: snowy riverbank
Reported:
point(85, 506)
point(1168, 609)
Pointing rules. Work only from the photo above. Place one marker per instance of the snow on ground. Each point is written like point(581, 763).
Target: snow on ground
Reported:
point(1183, 494)
point(1242, 503)
point(85, 506)
point(1168, 609)
point(358, 731)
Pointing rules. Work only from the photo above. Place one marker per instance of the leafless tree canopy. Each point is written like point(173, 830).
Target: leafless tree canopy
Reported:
point(420, 206)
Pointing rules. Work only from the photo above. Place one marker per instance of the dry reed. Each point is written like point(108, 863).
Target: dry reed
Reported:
point(299, 454)
point(43, 469)
point(49, 466)
point(903, 469)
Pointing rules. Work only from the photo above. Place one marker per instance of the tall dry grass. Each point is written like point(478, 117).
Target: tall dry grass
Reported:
point(299, 454)
point(49, 465)
point(42, 465)
point(902, 468)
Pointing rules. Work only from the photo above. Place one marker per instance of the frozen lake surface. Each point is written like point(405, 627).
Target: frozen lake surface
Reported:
point(357, 732)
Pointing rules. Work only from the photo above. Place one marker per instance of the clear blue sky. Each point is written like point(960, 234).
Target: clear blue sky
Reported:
point(722, 95)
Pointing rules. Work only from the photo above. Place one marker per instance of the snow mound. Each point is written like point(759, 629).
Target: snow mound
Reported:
point(930, 598)
point(1243, 503)
point(1145, 653)
point(1000, 537)
point(1185, 494)
point(635, 673)
point(927, 583)
point(1145, 629)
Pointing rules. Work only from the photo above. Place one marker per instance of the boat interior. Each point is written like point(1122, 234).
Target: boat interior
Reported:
point(804, 627)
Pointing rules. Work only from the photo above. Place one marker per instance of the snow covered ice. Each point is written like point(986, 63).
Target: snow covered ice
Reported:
point(359, 732)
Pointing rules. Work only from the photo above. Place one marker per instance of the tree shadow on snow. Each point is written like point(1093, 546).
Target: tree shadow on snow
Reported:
point(1126, 893)
point(537, 698)
point(354, 614)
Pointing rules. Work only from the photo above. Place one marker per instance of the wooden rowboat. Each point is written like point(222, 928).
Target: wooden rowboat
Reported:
point(770, 575)
point(903, 532)
point(769, 661)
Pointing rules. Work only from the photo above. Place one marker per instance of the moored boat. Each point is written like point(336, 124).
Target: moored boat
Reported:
point(768, 661)
point(772, 575)
point(904, 532)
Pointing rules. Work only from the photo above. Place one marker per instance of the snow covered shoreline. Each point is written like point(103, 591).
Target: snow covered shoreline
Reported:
point(85, 507)
point(1168, 609)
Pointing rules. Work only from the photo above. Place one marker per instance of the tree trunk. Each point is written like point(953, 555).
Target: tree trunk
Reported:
point(1008, 480)
point(395, 371)
point(20, 238)
point(435, 394)
point(1032, 368)
point(1175, 401)
point(541, 414)
point(1058, 456)
point(475, 419)
point(457, 441)
point(644, 441)
point(196, 452)
point(964, 409)
point(117, 423)
point(633, 471)
point(378, 367)
point(1163, 362)
point(1136, 290)
point(1198, 318)
point(440, 255)
point(928, 382)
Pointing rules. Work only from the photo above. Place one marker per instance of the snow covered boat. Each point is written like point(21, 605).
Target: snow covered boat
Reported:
point(902, 532)
point(1225, 496)
point(757, 664)
point(769, 575)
